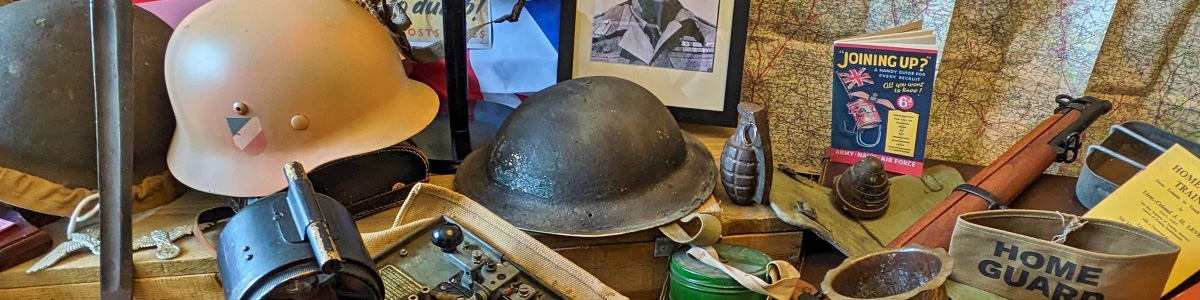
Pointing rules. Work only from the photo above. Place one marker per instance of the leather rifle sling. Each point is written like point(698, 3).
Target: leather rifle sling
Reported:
point(1002, 178)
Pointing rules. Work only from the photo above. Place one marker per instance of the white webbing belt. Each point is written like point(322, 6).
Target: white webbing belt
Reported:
point(783, 278)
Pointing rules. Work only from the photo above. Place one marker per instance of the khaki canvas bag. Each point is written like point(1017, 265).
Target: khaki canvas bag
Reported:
point(1028, 254)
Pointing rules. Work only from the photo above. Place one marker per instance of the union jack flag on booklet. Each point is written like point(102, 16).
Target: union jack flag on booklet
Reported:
point(882, 90)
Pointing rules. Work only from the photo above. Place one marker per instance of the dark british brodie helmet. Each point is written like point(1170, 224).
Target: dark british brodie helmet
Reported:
point(47, 108)
point(592, 156)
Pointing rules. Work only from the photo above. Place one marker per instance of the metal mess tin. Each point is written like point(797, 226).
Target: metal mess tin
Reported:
point(1127, 150)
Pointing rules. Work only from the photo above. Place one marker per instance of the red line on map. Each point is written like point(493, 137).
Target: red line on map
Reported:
point(778, 51)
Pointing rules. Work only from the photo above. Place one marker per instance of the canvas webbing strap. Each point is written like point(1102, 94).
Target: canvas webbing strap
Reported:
point(709, 233)
point(782, 275)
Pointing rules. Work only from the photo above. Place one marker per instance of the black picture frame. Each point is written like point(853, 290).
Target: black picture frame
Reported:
point(727, 117)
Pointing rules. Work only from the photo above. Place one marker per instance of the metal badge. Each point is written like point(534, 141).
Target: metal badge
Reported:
point(162, 240)
point(89, 239)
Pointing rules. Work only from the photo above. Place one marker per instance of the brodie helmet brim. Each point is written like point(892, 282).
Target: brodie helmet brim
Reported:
point(590, 156)
point(679, 193)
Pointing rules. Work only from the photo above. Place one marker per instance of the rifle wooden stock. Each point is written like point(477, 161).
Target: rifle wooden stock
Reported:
point(1006, 178)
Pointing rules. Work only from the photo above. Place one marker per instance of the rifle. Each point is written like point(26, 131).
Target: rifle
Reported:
point(1057, 139)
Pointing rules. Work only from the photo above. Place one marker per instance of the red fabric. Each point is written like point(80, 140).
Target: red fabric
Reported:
point(434, 75)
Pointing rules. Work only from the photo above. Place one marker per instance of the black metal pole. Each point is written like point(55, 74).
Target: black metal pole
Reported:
point(454, 27)
point(112, 68)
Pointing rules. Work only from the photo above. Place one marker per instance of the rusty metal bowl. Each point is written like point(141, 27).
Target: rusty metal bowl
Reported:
point(912, 272)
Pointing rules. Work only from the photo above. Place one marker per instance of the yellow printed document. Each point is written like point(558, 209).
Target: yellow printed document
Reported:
point(1164, 199)
point(902, 129)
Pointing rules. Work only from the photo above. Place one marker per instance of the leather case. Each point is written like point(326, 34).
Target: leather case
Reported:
point(20, 241)
point(374, 181)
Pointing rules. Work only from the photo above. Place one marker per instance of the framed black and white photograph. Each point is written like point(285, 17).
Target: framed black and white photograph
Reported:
point(680, 34)
point(687, 52)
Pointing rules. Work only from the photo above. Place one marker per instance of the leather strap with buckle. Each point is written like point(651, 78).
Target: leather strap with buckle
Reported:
point(992, 199)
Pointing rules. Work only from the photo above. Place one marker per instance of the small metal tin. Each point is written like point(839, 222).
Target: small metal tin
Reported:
point(691, 279)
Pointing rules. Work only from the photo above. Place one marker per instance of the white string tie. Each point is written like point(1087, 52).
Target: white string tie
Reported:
point(1068, 226)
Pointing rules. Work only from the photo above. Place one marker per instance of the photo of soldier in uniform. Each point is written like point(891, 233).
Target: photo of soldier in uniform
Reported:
point(676, 34)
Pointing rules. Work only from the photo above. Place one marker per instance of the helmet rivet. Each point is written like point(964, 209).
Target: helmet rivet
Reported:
point(240, 108)
point(299, 122)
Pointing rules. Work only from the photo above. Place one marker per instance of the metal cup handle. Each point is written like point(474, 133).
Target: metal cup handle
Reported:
point(1116, 155)
point(1136, 136)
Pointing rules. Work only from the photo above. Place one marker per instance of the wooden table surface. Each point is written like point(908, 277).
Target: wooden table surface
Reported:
point(623, 262)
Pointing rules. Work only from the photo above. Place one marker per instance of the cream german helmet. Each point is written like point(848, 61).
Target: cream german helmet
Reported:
point(256, 84)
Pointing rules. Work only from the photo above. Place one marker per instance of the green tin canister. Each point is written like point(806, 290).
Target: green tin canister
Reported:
point(691, 279)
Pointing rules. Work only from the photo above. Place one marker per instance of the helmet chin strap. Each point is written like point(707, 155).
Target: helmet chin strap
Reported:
point(76, 218)
point(709, 233)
